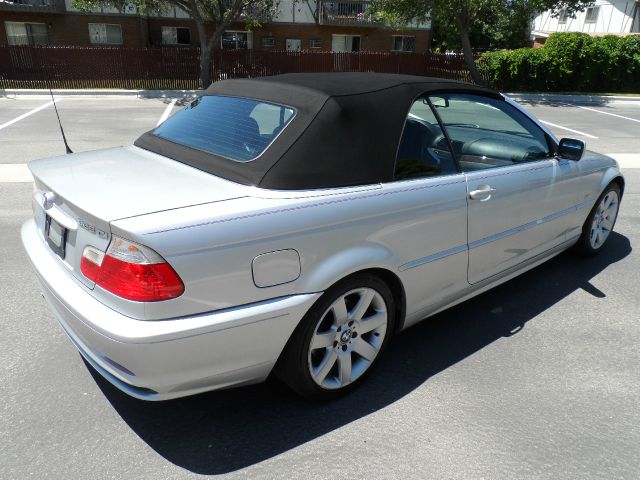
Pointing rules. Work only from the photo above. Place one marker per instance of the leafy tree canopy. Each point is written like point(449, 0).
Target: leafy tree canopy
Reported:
point(220, 14)
point(502, 20)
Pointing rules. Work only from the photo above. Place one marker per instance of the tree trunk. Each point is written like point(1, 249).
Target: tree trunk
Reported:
point(205, 65)
point(468, 55)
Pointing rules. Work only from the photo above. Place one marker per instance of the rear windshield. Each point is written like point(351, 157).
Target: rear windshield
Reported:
point(236, 128)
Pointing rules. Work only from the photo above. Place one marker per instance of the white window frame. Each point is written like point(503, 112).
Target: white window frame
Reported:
point(563, 16)
point(249, 39)
point(286, 44)
point(317, 45)
point(591, 11)
point(175, 34)
point(404, 37)
point(28, 37)
point(106, 37)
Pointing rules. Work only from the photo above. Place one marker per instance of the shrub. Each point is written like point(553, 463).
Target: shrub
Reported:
point(567, 62)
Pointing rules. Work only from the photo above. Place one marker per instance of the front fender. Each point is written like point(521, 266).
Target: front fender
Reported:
point(608, 176)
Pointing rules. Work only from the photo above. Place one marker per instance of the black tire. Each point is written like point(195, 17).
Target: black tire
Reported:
point(584, 245)
point(295, 364)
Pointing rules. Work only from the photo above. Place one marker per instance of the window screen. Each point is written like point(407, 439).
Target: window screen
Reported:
point(592, 15)
point(403, 43)
point(268, 41)
point(20, 33)
point(236, 128)
point(105, 34)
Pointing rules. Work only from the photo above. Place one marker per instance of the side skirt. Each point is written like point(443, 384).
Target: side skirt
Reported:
point(489, 283)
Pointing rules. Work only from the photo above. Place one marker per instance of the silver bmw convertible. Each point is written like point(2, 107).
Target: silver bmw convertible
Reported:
point(293, 224)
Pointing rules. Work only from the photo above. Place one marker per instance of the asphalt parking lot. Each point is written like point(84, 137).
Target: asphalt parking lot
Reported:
point(537, 379)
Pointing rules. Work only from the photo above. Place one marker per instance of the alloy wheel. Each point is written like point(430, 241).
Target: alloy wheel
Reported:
point(603, 219)
point(348, 338)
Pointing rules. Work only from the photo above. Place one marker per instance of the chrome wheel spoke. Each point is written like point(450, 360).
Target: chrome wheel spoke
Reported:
point(344, 364)
point(603, 220)
point(339, 309)
point(607, 224)
point(363, 304)
point(325, 367)
point(323, 340)
point(607, 201)
point(347, 338)
point(372, 322)
point(365, 349)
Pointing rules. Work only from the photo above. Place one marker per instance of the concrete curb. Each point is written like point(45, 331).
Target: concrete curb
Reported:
point(521, 97)
point(575, 99)
point(18, 92)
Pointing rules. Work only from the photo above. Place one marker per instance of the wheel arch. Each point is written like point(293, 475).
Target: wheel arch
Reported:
point(619, 180)
point(612, 175)
point(392, 281)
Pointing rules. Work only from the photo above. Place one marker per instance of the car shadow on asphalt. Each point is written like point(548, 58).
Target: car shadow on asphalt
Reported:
point(220, 432)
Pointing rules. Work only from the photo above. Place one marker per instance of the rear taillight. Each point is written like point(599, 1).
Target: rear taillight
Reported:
point(131, 271)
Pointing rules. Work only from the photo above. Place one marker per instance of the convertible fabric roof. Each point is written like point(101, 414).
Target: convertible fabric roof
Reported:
point(345, 132)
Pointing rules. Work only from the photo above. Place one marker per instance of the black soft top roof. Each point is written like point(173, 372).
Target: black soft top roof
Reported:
point(345, 132)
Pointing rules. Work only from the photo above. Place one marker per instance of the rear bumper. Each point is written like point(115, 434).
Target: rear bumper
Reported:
point(163, 359)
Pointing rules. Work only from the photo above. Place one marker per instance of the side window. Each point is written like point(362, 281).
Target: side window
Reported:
point(423, 150)
point(487, 132)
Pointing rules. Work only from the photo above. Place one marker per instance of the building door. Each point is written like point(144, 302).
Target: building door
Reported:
point(345, 43)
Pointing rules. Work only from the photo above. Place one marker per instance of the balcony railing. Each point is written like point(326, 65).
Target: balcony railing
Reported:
point(349, 13)
point(33, 5)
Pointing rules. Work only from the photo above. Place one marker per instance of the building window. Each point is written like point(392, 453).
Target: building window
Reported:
point(105, 34)
point(236, 40)
point(293, 44)
point(592, 15)
point(176, 36)
point(21, 33)
point(315, 43)
point(268, 41)
point(403, 43)
point(562, 17)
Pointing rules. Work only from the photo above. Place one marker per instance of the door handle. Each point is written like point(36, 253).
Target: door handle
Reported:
point(483, 193)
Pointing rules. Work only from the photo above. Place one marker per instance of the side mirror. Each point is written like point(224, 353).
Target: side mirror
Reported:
point(571, 149)
point(439, 102)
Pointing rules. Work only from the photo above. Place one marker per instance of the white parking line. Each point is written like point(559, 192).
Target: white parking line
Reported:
point(15, 173)
point(608, 113)
point(626, 160)
point(567, 129)
point(167, 111)
point(29, 113)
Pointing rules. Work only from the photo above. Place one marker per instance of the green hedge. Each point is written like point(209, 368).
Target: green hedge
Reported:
point(568, 62)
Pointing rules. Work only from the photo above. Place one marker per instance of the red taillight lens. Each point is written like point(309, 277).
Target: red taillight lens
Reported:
point(148, 282)
point(89, 269)
point(131, 271)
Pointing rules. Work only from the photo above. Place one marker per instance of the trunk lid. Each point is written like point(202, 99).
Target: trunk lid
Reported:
point(84, 192)
point(129, 181)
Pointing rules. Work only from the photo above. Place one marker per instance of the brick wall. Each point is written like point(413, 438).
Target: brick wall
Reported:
point(73, 29)
point(373, 40)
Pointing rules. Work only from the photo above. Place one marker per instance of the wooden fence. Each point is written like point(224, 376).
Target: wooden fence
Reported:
point(177, 68)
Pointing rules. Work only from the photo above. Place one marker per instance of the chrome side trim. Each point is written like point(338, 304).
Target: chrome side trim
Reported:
point(431, 258)
point(483, 241)
point(527, 226)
